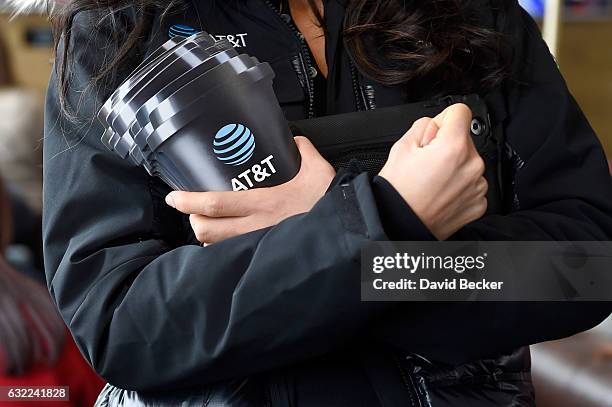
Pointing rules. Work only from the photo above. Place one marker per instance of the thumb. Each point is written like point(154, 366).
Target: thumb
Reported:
point(311, 158)
point(419, 134)
point(315, 171)
point(305, 147)
point(454, 121)
point(430, 133)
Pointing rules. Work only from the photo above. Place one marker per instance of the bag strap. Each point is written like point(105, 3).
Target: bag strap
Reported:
point(378, 129)
point(388, 124)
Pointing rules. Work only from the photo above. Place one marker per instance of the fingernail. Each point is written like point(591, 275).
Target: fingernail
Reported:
point(170, 200)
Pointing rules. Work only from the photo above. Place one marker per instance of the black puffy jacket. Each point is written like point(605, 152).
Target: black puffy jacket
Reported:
point(274, 317)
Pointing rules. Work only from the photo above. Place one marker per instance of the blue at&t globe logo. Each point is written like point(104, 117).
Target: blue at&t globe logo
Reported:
point(234, 144)
point(181, 30)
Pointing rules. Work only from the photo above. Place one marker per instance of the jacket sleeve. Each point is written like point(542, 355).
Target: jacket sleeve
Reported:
point(562, 190)
point(148, 315)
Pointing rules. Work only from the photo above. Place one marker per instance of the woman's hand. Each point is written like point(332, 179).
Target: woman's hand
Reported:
point(31, 331)
point(217, 216)
point(437, 170)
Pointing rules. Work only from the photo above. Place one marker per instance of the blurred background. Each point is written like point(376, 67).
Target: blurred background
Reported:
point(36, 349)
point(575, 372)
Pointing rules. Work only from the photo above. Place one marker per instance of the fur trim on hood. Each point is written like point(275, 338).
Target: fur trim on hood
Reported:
point(27, 6)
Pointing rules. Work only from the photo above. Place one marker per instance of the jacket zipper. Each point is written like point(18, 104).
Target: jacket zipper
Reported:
point(370, 96)
point(365, 95)
point(364, 98)
point(357, 90)
point(304, 56)
point(409, 383)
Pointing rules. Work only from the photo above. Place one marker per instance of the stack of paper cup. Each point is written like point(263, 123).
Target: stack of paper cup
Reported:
point(202, 118)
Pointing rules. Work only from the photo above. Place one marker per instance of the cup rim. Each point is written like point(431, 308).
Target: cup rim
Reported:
point(134, 78)
point(123, 102)
point(160, 133)
point(167, 46)
point(124, 133)
point(141, 146)
point(136, 134)
point(151, 78)
point(161, 53)
point(188, 92)
point(171, 87)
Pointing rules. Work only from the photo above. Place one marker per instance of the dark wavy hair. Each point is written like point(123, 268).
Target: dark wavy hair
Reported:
point(441, 41)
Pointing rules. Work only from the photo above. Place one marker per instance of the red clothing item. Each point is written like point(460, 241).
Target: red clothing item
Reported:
point(71, 370)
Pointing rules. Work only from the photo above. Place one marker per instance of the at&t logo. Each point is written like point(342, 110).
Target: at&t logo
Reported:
point(181, 30)
point(234, 144)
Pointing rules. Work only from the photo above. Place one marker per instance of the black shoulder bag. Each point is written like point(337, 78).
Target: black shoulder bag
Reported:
point(367, 137)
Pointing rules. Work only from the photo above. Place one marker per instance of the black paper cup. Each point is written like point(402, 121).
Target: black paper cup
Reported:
point(188, 79)
point(191, 92)
point(172, 60)
point(157, 90)
point(141, 153)
point(207, 79)
point(202, 118)
point(145, 108)
point(240, 139)
point(155, 60)
point(116, 140)
point(181, 60)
